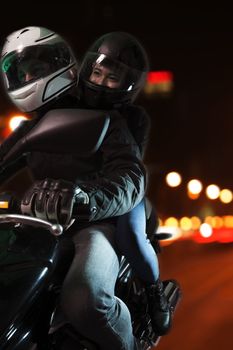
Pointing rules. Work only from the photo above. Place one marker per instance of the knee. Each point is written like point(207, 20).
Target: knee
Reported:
point(85, 306)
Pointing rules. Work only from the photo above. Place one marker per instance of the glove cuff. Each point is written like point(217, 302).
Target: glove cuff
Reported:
point(81, 197)
point(82, 209)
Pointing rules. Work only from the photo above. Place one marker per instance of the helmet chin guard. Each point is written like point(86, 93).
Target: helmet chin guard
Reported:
point(37, 66)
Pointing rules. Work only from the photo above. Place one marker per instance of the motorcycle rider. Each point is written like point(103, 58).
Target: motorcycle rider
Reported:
point(39, 72)
point(109, 80)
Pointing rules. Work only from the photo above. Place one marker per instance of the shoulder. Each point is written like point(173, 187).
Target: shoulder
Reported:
point(137, 118)
point(118, 128)
point(135, 109)
point(136, 113)
point(117, 118)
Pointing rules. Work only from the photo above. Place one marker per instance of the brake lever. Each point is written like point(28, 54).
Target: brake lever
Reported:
point(55, 229)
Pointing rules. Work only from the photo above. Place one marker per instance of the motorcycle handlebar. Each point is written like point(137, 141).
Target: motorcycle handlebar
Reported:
point(55, 229)
point(10, 209)
point(10, 213)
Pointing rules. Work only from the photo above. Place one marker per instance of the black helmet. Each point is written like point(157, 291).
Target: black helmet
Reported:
point(123, 54)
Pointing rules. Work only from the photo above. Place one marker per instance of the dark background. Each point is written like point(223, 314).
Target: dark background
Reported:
point(192, 129)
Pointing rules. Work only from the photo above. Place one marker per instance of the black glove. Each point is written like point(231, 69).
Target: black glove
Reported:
point(52, 200)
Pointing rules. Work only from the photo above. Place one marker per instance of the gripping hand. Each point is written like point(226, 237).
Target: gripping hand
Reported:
point(52, 200)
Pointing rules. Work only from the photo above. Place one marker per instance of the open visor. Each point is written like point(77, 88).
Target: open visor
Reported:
point(129, 78)
point(22, 67)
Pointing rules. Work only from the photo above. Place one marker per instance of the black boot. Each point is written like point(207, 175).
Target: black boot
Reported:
point(158, 308)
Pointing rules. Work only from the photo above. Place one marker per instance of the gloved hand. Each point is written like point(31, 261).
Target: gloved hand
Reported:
point(52, 200)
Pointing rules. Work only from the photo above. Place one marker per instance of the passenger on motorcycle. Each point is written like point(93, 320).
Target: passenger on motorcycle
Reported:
point(112, 74)
point(39, 74)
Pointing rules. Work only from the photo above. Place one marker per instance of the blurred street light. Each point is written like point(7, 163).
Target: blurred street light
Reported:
point(15, 121)
point(194, 188)
point(173, 179)
point(225, 196)
point(212, 191)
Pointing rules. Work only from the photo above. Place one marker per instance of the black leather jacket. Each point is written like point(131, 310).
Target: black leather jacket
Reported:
point(114, 177)
point(139, 124)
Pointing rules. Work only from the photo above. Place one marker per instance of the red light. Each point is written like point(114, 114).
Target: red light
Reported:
point(222, 235)
point(159, 77)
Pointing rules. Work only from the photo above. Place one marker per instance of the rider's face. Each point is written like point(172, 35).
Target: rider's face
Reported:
point(106, 76)
point(32, 70)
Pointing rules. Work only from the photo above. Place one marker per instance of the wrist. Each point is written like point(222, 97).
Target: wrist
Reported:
point(81, 197)
point(82, 207)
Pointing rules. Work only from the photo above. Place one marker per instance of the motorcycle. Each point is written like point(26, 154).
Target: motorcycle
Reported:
point(35, 255)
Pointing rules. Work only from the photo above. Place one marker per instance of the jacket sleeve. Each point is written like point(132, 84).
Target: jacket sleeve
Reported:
point(121, 184)
point(139, 124)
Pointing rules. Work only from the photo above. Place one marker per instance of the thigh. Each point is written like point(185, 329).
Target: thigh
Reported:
point(96, 262)
point(132, 225)
point(137, 219)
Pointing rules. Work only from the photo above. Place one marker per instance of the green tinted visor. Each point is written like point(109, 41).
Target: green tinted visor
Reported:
point(6, 62)
point(22, 67)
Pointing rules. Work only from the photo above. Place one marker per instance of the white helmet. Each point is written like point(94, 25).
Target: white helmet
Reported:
point(37, 66)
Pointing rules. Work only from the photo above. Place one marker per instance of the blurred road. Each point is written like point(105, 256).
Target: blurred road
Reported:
point(204, 317)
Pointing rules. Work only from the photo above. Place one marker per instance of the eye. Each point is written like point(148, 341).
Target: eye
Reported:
point(114, 78)
point(96, 72)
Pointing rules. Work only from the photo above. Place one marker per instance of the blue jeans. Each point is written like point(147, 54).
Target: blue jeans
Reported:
point(87, 297)
point(133, 244)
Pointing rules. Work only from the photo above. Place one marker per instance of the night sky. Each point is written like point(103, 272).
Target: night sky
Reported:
point(192, 130)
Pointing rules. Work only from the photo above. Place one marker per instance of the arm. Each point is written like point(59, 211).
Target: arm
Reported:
point(121, 186)
point(116, 189)
point(139, 124)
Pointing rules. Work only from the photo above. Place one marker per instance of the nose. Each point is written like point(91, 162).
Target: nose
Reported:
point(100, 81)
point(28, 77)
